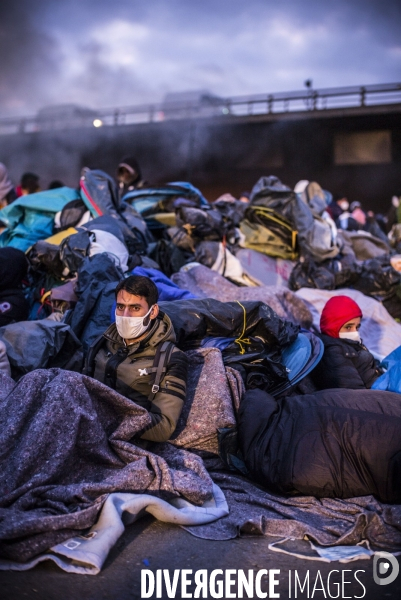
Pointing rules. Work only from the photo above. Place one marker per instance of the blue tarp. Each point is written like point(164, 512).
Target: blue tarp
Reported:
point(31, 218)
point(391, 379)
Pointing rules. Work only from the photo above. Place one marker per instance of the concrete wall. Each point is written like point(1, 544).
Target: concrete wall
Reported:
point(221, 155)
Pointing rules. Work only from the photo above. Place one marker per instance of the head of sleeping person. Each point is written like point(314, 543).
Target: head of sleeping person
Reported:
point(341, 318)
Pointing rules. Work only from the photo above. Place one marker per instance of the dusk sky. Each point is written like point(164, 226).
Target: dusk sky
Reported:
point(101, 54)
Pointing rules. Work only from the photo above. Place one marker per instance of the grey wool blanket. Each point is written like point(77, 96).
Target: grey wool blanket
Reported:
point(67, 446)
point(325, 521)
point(212, 390)
point(66, 443)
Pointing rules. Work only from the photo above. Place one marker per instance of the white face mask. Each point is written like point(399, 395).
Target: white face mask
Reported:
point(132, 327)
point(344, 205)
point(350, 335)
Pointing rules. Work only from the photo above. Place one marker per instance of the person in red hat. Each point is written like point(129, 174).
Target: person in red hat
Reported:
point(346, 362)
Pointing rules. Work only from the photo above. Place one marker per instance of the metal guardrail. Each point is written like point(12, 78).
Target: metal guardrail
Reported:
point(260, 104)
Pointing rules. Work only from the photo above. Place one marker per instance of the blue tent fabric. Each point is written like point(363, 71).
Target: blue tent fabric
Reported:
point(317, 349)
point(154, 194)
point(144, 199)
point(31, 218)
point(391, 359)
point(191, 189)
point(391, 379)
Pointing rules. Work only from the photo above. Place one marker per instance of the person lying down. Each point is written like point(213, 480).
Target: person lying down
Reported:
point(346, 362)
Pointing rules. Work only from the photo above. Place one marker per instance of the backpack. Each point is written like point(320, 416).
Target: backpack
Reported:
point(201, 223)
point(269, 232)
point(315, 236)
point(99, 192)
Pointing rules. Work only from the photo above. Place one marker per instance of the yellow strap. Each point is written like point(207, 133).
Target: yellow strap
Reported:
point(45, 296)
point(241, 341)
point(294, 244)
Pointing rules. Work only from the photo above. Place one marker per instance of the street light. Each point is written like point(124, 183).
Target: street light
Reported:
point(310, 94)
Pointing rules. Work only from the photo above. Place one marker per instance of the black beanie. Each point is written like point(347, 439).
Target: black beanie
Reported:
point(13, 307)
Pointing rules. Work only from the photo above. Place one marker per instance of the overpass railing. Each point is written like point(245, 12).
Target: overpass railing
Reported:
point(259, 104)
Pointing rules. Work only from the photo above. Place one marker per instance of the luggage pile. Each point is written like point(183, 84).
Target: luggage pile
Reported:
point(80, 242)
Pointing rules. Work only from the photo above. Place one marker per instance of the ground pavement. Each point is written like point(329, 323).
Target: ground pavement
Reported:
point(151, 545)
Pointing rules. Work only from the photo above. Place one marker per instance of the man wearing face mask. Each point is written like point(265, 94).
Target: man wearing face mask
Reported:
point(138, 358)
point(346, 362)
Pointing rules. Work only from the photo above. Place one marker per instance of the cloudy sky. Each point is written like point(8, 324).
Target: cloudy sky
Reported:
point(105, 53)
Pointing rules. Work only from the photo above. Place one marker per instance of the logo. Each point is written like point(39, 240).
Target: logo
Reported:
point(386, 564)
point(4, 307)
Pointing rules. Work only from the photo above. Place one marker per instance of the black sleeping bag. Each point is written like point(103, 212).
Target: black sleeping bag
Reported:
point(334, 443)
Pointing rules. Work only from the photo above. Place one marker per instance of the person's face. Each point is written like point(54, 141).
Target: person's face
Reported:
point(30, 189)
point(343, 203)
point(353, 325)
point(125, 176)
point(129, 305)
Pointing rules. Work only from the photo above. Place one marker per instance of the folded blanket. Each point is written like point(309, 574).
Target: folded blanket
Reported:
point(209, 403)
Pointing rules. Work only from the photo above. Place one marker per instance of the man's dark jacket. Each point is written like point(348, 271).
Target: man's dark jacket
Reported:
point(127, 370)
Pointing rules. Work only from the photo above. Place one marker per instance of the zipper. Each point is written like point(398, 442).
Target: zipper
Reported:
point(174, 384)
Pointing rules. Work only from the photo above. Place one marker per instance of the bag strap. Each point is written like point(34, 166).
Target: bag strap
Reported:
point(161, 359)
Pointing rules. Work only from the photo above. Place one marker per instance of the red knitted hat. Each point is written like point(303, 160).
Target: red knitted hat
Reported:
point(336, 312)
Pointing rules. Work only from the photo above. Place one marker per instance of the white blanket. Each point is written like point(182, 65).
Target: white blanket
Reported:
point(85, 554)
